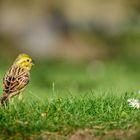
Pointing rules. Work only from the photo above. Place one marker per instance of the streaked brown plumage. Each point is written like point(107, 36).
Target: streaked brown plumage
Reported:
point(16, 79)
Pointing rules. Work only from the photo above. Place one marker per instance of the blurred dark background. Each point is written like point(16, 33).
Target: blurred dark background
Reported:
point(70, 30)
point(73, 31)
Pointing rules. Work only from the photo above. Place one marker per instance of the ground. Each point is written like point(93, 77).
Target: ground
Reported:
point(75, 101)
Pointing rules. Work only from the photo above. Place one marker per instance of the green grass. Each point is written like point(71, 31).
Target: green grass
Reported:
point(63, 98)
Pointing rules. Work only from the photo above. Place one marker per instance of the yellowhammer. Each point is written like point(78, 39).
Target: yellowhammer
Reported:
point(16, 78)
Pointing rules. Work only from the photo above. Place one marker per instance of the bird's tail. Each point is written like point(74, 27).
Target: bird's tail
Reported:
point(4, 99)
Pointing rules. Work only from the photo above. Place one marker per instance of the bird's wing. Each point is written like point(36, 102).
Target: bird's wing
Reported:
point(15, 79)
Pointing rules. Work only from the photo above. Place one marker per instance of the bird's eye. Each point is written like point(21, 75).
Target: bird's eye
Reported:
point(28, 60)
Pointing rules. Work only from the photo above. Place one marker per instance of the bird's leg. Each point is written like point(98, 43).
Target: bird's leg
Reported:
point(19, 96)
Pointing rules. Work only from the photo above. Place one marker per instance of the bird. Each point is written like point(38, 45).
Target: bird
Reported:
point(16, 78)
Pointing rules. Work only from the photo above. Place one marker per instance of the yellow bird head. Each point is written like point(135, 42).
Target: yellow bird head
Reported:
point(24, 61)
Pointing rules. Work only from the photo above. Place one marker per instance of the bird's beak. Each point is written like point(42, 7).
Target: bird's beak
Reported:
point(33, 62)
